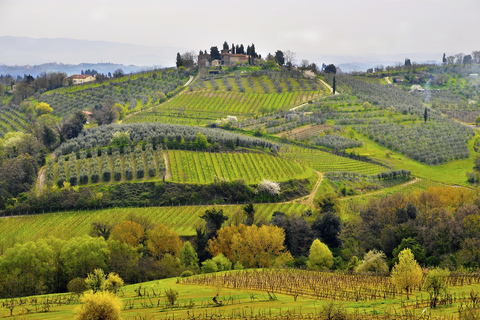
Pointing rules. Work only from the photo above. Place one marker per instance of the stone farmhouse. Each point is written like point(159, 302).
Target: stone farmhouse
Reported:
point(227, 59)
point(81, 78)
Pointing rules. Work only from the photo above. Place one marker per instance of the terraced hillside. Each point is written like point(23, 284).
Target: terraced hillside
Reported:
point(243, 95)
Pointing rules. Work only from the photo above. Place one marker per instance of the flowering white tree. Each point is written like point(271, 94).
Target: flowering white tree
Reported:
point(270, 187)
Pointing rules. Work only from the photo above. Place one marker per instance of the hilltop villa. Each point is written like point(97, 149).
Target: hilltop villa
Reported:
point(227, 59)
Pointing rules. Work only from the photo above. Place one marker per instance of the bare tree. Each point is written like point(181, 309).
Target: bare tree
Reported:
point(189, 59)
point(459, 58)
point(450, 60)
point(289, 57)
point(304, 64)
point(476, 56)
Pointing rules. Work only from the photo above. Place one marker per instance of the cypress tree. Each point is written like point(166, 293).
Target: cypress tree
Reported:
point(425, 115)
point(179, 60)
point(334, 85)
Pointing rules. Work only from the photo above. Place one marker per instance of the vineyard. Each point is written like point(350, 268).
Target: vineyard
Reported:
point(212, 98)
point(11, 119)
point(141, 90)
point(182, 219)
point(326, 162)
point(206, 167)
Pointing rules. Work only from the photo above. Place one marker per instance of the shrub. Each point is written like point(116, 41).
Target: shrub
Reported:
point(172, 296)
point(187, 273)
point(102, 305)
point(209, 266)
point(269, 187)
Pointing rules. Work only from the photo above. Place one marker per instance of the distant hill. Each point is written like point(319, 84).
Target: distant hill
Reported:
point(69, 69)
point(31, 51)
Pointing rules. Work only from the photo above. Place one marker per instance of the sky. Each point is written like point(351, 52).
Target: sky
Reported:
point(308, 28)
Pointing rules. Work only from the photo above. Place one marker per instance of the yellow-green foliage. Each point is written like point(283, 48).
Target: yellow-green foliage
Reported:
point(406, 274)
point(43, 108)
point(320, 257)
point(101, 305)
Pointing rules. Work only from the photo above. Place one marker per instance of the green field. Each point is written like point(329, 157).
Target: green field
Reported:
point(183, 219)
point(205, 167)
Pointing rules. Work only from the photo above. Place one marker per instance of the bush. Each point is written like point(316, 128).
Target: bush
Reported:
point(187, 273)
point(102, 305)
point(209, 266)
point(77, 285)
point(172, 296)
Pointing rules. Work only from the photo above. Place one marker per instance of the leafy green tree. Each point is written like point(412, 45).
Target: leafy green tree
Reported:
point(82, 255)
point(123, 260)
point(73, 126)
point(327, 227)
point(77, 285)
point(406, 274)
point(213, 219)
point(162, 241)
point(477, 121)
point(201, 141)
point(209, 266)
point(214, 53)
point(250, 211)
point(435, 283)
point(320, 257)
point(101, 305)
point(223, 263)
point(188, 256)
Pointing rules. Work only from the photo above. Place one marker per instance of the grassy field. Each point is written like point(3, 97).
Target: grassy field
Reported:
point(183, 219)
point(205, 167)
point(195, 301)
point(453, 172)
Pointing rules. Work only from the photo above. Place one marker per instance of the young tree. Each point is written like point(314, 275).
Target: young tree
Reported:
point(188, 256)
point(320, 257)
point(435, 282)
point(406, 274)
point(96, 280)
point(102, 305)
point(113, 283)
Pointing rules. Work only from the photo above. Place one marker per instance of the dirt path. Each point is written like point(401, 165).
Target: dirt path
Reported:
point(388, 80)
point(382, 190)
point(168, 176)
point(308, 200)
point(328, 86)
point(189, 81)
point(302, 105)
point(41, 178)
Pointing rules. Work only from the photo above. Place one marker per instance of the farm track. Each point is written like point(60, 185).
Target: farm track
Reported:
point(388, 80)
point(328, 86)
point(41, 180)
point(168, 176)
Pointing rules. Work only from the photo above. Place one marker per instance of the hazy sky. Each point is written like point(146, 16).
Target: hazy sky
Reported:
point(346, 27)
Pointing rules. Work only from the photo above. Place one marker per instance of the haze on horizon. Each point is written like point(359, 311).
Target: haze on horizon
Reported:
point(309, 28)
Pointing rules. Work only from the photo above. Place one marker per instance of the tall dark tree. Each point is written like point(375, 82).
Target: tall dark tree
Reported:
point(328, 227)
point(233, 48)
point(225, 46)
point(214, 53)
point(408, 62)
point(334, 85)
point(73, 126)
point(279, 57)
point(241, 49)
point(425, 115)
point(467, 59)
point(252, 51)
point(444, 59)
point(213, 221)
point(179, 60)
point(331, 69)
